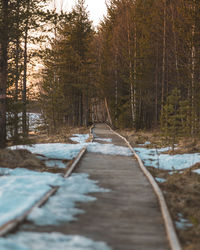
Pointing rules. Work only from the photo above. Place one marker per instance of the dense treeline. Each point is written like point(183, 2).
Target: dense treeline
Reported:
point(149, 63)
point(66, 89)
point(142, 62)
point(19, 22)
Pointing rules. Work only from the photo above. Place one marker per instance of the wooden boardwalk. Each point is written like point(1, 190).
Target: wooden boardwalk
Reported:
point(126, 218)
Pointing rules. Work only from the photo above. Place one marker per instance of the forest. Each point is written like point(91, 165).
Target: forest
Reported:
point(141, 65)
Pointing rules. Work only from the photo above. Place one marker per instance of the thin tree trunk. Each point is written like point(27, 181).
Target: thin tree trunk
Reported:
point(24, 95)
point(16, 118)
point(164, 55)
point(156, 83)
point(175, 44)
point(193, 55)
point(135, 73)
point(116, 91)
point(130, 68)
point(3, 72)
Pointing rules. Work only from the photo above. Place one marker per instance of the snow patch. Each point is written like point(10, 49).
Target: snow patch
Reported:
point(109, 149)
point(197, 171)
point(156, 158)
point(182, 223)
point(49, 241)
point(103, 139)
point(60, 151)
point(35, 119)
point(61, 206)
point(55, 164)
point(21, 189)
point(160, 180)
point(80, 138)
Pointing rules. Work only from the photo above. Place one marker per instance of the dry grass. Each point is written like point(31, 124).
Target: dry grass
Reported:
point(182, 192)
point(61, 136)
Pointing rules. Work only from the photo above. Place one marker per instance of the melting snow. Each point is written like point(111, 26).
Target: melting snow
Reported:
point(21, 189)
point(55, 163)
point(197, 171)
point(35, 119)
point(80, 138)
point(104, 139)
point(109, 149)
point(160, 180)
point(156, 158)
point(61, 207)
point(49, 241)
point(182, 223)
point(53, 150)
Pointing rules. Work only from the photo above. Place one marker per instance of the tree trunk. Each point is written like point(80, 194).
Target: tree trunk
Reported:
point(24, 97)
point(193, 56)
point(135, 74)
point(3, 72)
point(130, 68)
point(156, 83)
point(164, 55)
point(16, 118)
point(175, 44)
point(116, 91)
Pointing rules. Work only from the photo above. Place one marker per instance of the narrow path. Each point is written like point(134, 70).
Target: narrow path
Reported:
point(126, 218)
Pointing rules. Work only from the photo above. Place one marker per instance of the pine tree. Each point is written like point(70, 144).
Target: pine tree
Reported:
point(68, 71)
point(172, 117)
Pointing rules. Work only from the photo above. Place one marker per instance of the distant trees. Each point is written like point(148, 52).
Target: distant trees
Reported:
point(17, 19)
point(66, 89)
point(148, 49)
point(144, 55)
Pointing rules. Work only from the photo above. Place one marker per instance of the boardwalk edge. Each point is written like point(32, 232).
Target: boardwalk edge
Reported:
point(169, 226)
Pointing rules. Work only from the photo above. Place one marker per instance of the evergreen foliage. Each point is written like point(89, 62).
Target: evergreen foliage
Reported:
point(143, 60)
point(66, 89)
point(152, 49)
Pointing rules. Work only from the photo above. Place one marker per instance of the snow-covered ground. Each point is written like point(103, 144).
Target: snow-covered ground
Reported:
point(158, 159)
point(49, 241)
point(21, 189)
point(35, 119)
point(60, 151)
point(109, 149)
point(80, 138)
point(61, 207)
point(103, 139)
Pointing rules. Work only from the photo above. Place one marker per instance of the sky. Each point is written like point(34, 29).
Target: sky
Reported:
point(97, 8)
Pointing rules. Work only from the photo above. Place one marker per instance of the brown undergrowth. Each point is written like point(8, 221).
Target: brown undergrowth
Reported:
point(60, 136)
point(181, 189)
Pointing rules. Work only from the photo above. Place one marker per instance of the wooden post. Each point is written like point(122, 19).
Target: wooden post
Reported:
point(108, 112)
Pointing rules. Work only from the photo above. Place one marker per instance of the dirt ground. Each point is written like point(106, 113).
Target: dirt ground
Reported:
point(181, 190)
